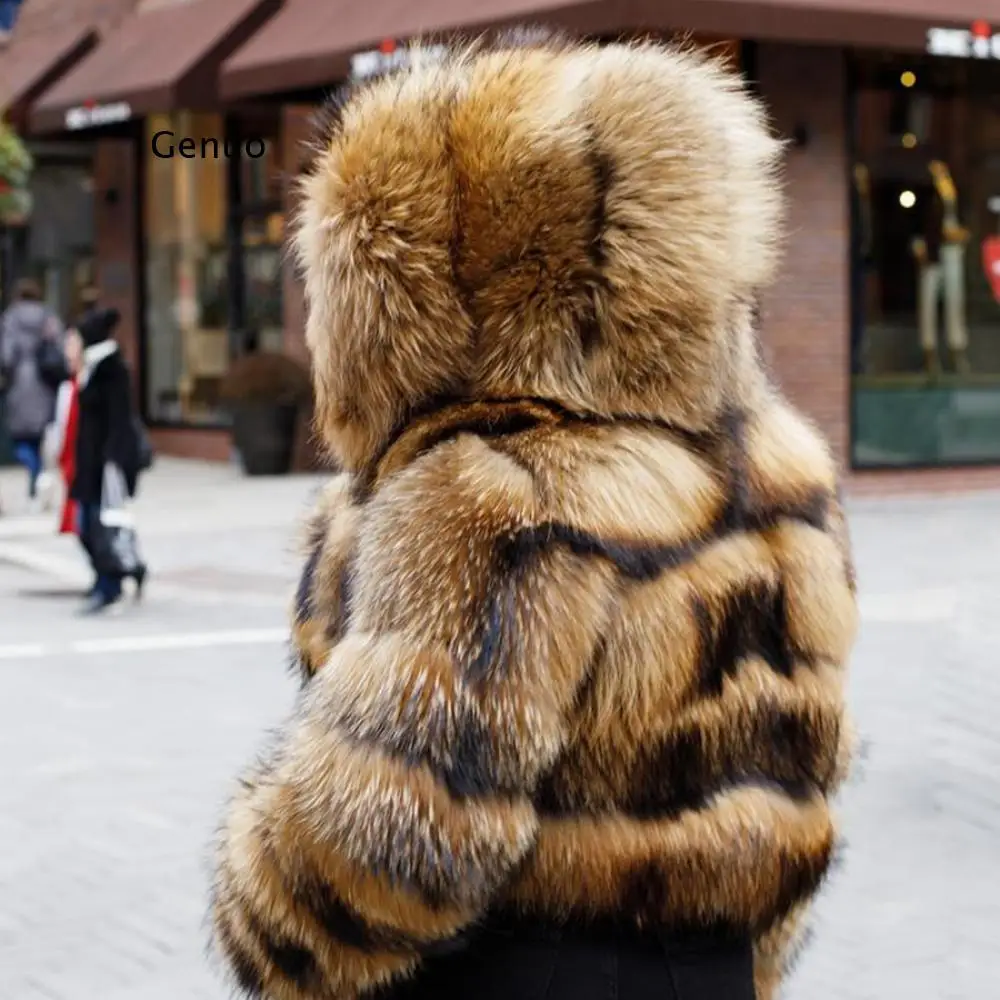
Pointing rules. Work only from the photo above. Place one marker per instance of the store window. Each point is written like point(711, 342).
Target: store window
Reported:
point(186, 329)
point(260, 223)
point(213, 256)
point(925, 207)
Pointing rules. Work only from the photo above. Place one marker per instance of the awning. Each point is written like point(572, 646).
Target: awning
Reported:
point(29, 65)
point(309, 44)
point(155, 60)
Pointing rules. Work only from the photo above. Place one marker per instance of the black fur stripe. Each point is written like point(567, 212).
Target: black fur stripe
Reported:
point(292, 961)
point(702, 442)
point(640, 562)
point(646, 895)
point(304, 592)
point(788, 749)
point(346, 926)
point(470, 770)
point(751, 622)
point(244, 969)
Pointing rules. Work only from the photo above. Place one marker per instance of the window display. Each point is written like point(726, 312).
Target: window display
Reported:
point(213, 249)
point(925, 206)
point(185, 246)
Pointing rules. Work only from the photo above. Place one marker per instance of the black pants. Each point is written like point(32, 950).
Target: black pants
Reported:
point(526, 965)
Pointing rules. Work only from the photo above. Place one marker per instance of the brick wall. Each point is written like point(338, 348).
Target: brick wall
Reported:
point(116, 208)
point(805, 316)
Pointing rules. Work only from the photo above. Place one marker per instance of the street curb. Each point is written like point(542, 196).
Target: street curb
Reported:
point(73, 573)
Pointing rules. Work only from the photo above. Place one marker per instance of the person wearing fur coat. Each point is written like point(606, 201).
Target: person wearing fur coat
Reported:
point(575, 618)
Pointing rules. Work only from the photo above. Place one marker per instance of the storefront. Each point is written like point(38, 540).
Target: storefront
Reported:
point(925, 155)
point(189, 204)
point(880, 325)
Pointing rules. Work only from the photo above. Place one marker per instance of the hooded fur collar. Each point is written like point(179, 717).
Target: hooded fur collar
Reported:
point(588, 225)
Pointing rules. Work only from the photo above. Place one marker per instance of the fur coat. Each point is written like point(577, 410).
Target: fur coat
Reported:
point(574, 621)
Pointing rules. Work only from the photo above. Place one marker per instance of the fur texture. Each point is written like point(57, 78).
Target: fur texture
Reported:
point(574, 621)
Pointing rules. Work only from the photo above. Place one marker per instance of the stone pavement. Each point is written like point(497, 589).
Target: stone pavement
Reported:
point(117, 756)
point(204, 526)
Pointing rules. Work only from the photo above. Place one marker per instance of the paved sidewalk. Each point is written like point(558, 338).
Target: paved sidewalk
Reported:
point(203, 526)
point(117, 761)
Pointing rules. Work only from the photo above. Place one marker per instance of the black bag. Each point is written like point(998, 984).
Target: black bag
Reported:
point(111, 540)
point(113, 550)
point(51, 362)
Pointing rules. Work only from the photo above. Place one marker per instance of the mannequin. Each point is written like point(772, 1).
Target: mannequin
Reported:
point(940, 256)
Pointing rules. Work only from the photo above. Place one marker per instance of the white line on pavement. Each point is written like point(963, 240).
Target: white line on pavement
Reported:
point(149, 643)
point(24, 651)
point(181, 640)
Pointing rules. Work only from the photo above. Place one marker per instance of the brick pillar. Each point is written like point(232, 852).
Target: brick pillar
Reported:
point(805, 316)
point(116, 208)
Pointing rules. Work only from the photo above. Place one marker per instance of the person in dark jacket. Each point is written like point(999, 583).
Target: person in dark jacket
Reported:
point(30, 337)
point(573, 624)
point(106, 436)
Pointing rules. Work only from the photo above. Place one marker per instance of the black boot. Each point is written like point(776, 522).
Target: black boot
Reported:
point(96, 603)
point(140, 579)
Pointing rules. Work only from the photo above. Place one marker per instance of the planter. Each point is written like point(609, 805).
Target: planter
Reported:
point(264, 435)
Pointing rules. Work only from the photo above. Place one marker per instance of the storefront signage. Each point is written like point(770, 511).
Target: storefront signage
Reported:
point(977, 42)
point(389, 57)
point(92, 115)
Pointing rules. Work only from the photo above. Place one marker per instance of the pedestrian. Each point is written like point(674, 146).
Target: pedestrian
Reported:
point(31, 361)
point(573, 624)
point(107, 458)
point(59, 442)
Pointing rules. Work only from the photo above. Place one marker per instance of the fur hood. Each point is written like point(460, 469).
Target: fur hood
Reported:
point(585, 224)
point(573, 623)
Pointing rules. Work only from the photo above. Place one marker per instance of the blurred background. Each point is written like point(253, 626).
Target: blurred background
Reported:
point(148, 148)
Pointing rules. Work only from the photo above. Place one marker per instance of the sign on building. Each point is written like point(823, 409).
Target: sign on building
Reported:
point(389, 57)
point(93, 115)
point(977, 42)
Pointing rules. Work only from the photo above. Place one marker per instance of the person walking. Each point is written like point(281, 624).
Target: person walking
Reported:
point(107, 457)
point(573, 623)
point(31, 361)
point(59, 441)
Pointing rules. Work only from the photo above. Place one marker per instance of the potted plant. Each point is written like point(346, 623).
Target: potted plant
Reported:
point(15, 174)
point(264, 392)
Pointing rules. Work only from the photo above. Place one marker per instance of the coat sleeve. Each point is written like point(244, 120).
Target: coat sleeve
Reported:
point(121, 446)
point(386, 815)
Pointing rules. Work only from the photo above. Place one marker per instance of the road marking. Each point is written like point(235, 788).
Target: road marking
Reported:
point(149, 643)
point(24, 651)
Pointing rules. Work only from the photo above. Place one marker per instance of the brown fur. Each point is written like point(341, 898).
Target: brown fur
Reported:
point(574, 622)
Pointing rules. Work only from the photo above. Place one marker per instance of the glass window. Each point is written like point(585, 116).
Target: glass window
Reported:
point(262, 277)
point(187, 321)
point(261, 227)
point(925, 210)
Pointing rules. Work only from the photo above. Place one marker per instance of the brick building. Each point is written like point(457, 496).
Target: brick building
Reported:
point(884, 326)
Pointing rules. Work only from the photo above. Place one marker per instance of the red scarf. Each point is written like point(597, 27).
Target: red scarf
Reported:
point(67, 460)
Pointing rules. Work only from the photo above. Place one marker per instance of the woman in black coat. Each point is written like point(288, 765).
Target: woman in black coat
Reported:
point(573, 624)
point(107, 437)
